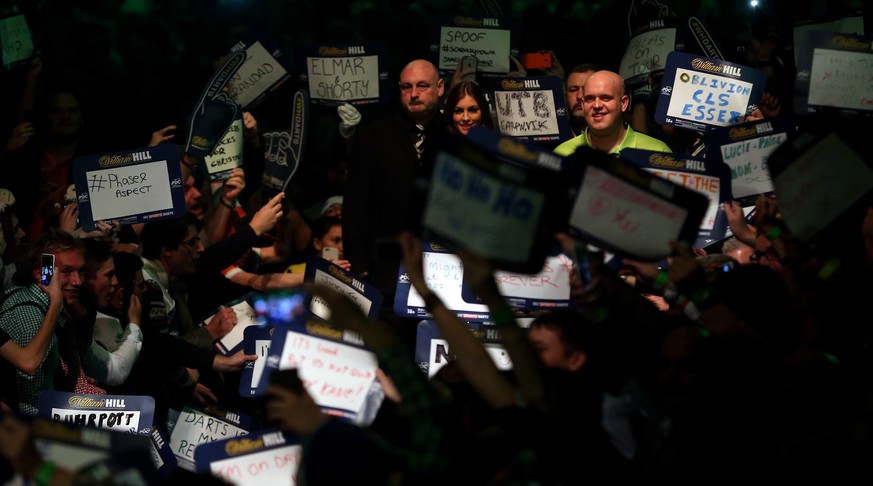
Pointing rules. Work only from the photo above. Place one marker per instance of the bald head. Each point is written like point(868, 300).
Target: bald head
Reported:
point(608, 78)
point(603, 103)
point(420, 90)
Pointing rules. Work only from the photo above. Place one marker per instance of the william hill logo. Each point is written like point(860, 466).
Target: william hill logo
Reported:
point(511, 84)
point(707, 65)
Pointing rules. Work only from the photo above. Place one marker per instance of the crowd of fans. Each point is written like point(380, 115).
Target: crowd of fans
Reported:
point(747, 358)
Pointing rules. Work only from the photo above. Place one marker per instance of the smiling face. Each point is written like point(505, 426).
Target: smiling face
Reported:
point(603, 103)
point(69, 267)
point(466, 114)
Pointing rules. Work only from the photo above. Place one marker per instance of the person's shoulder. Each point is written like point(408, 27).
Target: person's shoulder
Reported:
point(648, 142)
point(567, 148)
point(18, 300)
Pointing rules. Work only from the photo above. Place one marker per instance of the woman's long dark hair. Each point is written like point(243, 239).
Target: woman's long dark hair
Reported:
point(466, 88)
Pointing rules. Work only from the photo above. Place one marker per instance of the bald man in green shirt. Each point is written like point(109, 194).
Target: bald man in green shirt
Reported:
point(603, 103)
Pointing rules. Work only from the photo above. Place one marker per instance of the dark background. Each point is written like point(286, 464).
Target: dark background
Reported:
point(139, 65)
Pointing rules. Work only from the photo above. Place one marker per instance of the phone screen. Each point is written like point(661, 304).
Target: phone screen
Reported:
point(47, 270)
point(330, 253)
point(469, 63)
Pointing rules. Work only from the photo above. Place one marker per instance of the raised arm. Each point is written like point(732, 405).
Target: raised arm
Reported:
point(28, 358)
point(472, 358)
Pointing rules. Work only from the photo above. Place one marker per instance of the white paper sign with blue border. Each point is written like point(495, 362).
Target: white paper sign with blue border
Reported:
point(432, 352)
point(363, 293)
point(259, 75)
point(533, 109)
point(264, 457)
point(833, 73)
point(710, 178)
point(489, 39)
point(133, 414)
point(195, 427)
point(246, 317)
point(227, 155)
point(335, 369)
point(256, 340)
point(444, 276)
point(630, 211)
point(547, 289)
point(131, 186)
point(647, 51)
point(818, 177)
point(339, 73)
point(494, 197)
point(15, 41)
point(745, 149)
point(700, 93)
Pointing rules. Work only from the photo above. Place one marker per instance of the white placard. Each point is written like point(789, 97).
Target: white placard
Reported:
point(490, 46)
point(343, 78)
point(134, 189)
point(708, 98)
point(258, 73)
point(526, 113)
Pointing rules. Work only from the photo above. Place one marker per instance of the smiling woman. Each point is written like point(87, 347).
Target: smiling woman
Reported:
point(465, 108)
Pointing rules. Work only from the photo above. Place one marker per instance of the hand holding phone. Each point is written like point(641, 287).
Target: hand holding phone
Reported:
point(47, 268)
point(468, 64)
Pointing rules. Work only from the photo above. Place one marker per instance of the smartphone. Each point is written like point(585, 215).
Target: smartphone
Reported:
point(469, 63)
point(330, 253)
point(536, 60)
point(47, 268)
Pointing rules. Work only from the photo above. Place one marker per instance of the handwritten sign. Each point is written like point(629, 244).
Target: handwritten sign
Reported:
point(833, 73)
point(547, 289)
point(444, 276)
point(231, 342)
point(259, 74)
point(440, 350)
point(131, 186)
point(345, 73)
point(365, 295)
point(709, 178)
point(646, 52)
point(337, 375)
point(256, 340)
point(227, 155)
point(488, 194)
point(123, 413)
point(817, 179)
point(627, 210)
point(432, 352)
point(15, 41)
point(745, 148)
point(263, 457)
point(701, 93)
point(851, 23)
point(533, 109)
point(488, 39)
point(195, 427)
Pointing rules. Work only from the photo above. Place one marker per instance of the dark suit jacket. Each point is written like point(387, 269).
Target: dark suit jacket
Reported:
point(376, 205)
